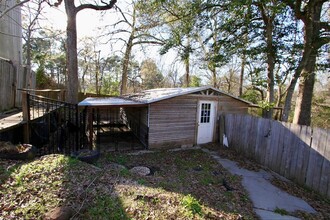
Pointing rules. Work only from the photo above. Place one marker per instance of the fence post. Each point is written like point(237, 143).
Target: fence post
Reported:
point(26, 116)
point(221, 128)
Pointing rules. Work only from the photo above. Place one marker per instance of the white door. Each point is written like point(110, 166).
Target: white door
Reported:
point(206, 119)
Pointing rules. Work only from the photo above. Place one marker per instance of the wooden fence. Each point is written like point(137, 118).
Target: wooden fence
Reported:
point(7, 85)
point(299, 153)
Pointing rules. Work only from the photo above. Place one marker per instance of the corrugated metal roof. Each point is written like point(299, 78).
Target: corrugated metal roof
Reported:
point(150, 96)
point(155, 95)
point(108, 101)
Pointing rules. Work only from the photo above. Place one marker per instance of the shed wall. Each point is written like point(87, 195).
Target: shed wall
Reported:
point(228, 104)
point(172, 122)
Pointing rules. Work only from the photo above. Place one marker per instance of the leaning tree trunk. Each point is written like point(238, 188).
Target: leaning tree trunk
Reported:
point(302, 113)
point(72, 82)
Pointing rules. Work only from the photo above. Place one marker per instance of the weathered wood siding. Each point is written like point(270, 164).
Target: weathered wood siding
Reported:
point(297, 152)
point(172, 122)
point(228, 104)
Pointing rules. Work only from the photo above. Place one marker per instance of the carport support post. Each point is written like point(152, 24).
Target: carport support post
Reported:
point(90, 113)
point(26, 116)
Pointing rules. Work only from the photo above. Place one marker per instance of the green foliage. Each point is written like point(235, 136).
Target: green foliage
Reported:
point(151, 75)
point(195, 81)
point(321, 110)
point(192, 205)
point(44, 81)
point(266, 105)
point(251, 96)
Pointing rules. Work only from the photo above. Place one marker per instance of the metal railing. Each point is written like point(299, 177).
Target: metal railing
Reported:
point(54, 126)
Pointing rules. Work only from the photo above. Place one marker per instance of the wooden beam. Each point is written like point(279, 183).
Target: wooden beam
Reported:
point(26, 116)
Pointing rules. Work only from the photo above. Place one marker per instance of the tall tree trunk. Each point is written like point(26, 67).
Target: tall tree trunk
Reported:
point(268, 21)
point(123, 89)
point(241, 78)
point(214, 76)
point(302, 114)
point(187, 75)
point(72, 82)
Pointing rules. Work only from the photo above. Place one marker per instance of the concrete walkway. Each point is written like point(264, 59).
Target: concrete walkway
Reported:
point(266, 197)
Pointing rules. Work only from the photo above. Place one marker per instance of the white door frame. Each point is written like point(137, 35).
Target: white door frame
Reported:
point(206, 115)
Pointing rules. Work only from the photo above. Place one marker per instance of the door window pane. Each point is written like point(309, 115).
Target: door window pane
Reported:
point(205, 113)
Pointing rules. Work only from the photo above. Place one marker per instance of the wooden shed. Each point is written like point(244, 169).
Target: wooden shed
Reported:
point(169, 117)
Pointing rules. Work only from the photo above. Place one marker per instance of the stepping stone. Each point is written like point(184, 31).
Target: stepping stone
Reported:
point(140, 170)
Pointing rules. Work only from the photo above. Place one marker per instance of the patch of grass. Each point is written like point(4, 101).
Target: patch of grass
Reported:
point(281, 211)
point(141, 181)
point(207, 180)
point(5, 173)
point(244, 198)
point(229, 195)
point(106, 207)
point(167, 185)
point(121, 159)
point(192, 205)
point(124, 172)
point(33, 187)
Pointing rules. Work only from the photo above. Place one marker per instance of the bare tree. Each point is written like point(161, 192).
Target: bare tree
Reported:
point(137, 34)
point(31, 14)
point(71, 29)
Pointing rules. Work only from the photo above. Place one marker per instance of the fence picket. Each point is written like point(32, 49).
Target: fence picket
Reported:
point(286, 154)
point(275, 136)
point(280, 150)
point(318, 145)
point(325, 177)
point(252, 137)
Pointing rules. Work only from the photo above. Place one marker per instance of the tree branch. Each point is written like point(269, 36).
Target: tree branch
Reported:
point(325, 26)
point(125, 19)
point(107, 6)
point(148, 42)
point(322, 41)
point(11, 8)
point(296, 8)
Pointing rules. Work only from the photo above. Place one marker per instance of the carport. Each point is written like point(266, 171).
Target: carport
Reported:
point(111, 120)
